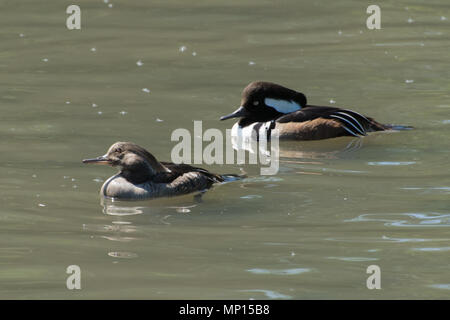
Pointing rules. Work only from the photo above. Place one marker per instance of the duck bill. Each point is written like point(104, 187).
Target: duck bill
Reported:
point(98, 160)
point(240, 112)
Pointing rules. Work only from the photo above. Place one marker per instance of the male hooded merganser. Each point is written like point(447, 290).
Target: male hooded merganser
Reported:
point(266, 106)
point(142, 176)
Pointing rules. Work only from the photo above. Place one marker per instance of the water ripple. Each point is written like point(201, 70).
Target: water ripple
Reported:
point(270, 294)
point(353, 259)
point(406, 219)
point(122, 255)
point(280, 272)
point(444, 286)
point(431, 249)
point(263, 179)
point(251, 196)
point(114, 210)
point(384, 239)
point(429, 189)
point(391, 163)
point(342, 170)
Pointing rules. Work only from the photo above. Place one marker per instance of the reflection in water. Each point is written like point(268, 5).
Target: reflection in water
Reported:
point(154, 206)
point(307, 157)
point(114, 210)
point(158, 210)
point(316, 150)
point(324, 149)
point(124, 214)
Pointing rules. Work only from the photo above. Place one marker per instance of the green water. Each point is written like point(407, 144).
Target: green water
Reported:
point(309, 232)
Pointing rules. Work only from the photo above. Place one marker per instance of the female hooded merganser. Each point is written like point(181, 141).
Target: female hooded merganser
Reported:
point(142, 176)
point(266, 106)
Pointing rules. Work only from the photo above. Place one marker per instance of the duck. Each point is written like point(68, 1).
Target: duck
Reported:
point(142, 176)
point(266, 106)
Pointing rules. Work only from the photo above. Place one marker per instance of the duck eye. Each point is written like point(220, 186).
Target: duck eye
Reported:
point(118, 150)
point(256, 102)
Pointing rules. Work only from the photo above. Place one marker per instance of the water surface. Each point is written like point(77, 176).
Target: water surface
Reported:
point(138, 70)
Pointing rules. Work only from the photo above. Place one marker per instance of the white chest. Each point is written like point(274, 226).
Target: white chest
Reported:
point(246, 137)
point(250, 131)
